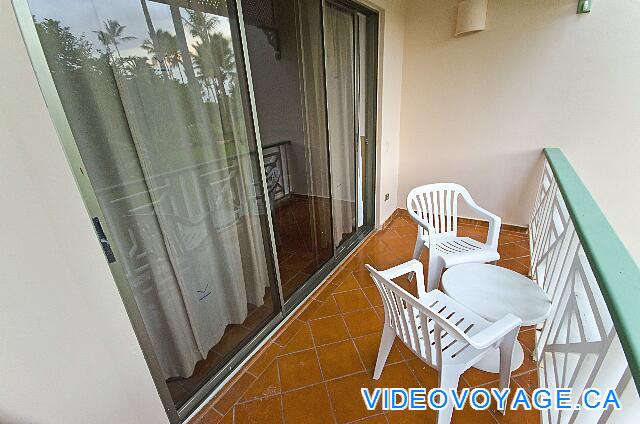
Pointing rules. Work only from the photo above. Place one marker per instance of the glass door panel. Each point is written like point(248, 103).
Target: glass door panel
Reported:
point(155, 96)
point(284, 39)
point(347, 48)
point(341, 106)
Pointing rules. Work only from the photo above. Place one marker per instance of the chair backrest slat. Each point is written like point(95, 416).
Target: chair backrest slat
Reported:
point(390, 318)
point(435, 213)
point(422, 206)
point(442, 205)
point(398, 301)
point(438, 205)
point(448, 210)
point(414, 331)
point(454, 212)
point(426, 336)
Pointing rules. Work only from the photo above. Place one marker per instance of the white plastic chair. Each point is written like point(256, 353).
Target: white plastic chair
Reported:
point(434, 207)
point(444, 334)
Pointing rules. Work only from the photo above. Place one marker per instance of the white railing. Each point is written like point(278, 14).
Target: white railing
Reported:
point(578, 346)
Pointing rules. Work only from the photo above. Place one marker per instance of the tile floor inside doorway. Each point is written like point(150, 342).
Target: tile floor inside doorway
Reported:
point(313, 369)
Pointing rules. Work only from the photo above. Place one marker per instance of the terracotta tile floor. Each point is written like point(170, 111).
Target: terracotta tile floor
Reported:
point(313, 369)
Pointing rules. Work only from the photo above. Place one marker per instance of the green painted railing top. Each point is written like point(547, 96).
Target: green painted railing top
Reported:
point(616, 271)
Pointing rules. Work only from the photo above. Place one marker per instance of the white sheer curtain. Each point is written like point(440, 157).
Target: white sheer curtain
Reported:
point(315, 124)
point(340, 64)
point(161, 129)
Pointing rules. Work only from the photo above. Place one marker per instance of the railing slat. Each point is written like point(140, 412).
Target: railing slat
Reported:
point(616, 272)
point(593, 283)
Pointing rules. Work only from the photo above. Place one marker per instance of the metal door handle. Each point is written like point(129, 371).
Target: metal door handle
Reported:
point(102, 238)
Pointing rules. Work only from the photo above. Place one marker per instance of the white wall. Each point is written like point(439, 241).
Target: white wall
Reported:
point(68, 353)
point(391, 47)
point(478, 109)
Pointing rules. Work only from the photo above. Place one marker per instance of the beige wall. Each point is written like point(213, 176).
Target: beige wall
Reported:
point(68, 353)
point(478, 109)
point(391, 43)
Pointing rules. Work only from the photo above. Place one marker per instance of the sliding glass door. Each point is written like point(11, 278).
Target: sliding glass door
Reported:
point(222, 151)
point(349, 39)
point(285, 52)
point(153, 92)
point(308, 61)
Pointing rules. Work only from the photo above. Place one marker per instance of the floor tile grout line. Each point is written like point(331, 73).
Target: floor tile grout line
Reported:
point(353, 342)
point(515, 257)
point(215, 410)
point(280, 385)
point(331, 408)
point(324, 380)
point(359, 420)
point(342, 313)
point(415, 377)
point(294, 319)
point(281, 409)
point(347, 291)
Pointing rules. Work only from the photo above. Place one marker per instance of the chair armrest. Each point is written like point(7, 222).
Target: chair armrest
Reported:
point(494, 222)
point(413, 266)
point(403, 269)
point(495, 331)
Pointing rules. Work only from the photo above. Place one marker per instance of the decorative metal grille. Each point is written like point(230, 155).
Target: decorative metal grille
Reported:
point(215, 7)
point(276, 169)
point(259, 13)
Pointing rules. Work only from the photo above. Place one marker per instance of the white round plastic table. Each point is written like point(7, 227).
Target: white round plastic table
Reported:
point(492, 292)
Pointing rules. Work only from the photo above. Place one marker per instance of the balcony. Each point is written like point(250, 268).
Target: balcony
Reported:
point(227, 282)
point(312, 369)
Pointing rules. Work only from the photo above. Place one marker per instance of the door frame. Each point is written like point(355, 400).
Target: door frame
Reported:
point(288, 308)
point(372, 18)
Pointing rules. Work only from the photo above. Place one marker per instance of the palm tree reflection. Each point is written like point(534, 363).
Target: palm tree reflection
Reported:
point(164, 51)
point(112, 35)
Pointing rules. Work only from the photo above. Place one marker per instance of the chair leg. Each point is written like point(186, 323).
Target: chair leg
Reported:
point(449, 378)
point(386, 341)
point(436, 265)
point(417, 250)
point(506, 353)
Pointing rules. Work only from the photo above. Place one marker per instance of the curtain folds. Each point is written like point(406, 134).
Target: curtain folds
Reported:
point(340, 64)
point(315, 126)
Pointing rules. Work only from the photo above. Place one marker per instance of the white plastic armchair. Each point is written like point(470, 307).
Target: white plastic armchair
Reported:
point(441, 332)
point(434, 207)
